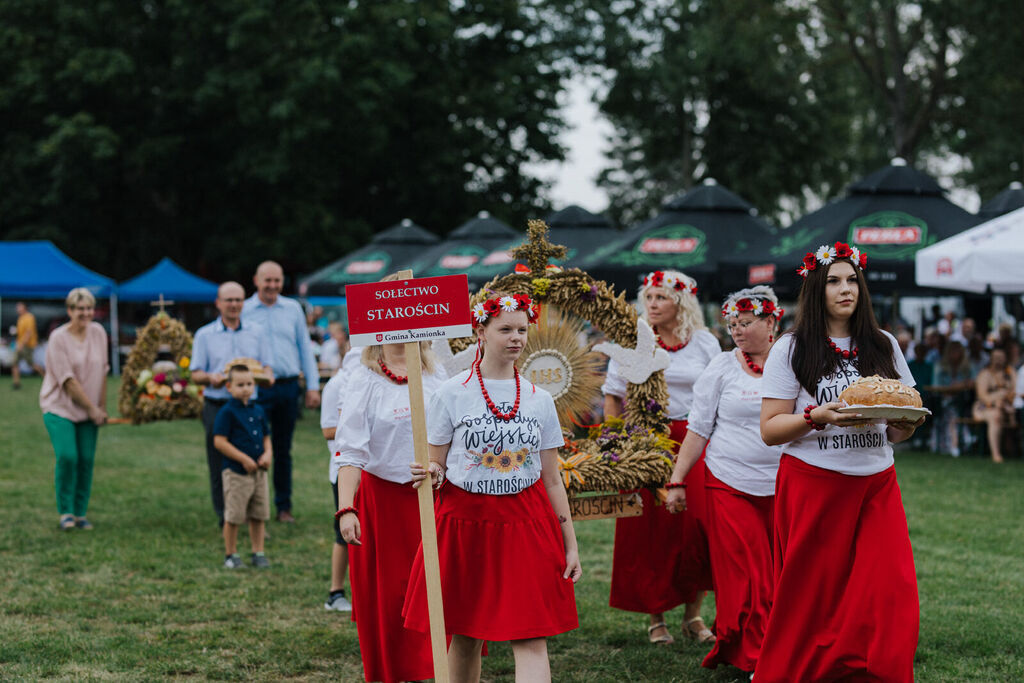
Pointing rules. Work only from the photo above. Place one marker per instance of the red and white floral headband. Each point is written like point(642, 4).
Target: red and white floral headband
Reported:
point(660, 279)
point(759, 306)
point(504, 304)
point(825, 255)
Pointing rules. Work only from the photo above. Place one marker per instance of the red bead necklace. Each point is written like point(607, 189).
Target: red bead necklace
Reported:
point(840, 352)
point(671, 349)
point(754, 367)
point(490, 404)
point(397, 379)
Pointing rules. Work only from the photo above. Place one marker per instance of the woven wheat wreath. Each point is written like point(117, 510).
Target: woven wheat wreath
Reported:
point(143, 398)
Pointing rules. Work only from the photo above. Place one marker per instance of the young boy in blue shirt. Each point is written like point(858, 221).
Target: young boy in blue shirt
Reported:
point(242, 435)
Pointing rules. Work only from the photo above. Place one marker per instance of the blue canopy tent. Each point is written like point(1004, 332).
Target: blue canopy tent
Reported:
point(39, 270)
point(169, 279)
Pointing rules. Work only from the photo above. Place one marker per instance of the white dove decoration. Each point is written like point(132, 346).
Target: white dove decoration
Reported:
point(453, 363)
point(636, 365)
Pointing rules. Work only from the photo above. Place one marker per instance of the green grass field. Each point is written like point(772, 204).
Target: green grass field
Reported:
point(144, 596)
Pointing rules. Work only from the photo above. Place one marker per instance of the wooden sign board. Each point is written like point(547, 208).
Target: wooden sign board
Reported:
point(408, 310)
point(606, 506)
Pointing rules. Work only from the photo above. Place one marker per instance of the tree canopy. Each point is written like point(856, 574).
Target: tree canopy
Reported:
point(223, 133)
point(220, 134)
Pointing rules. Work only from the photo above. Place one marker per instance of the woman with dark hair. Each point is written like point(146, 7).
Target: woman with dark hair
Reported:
point(739, 477)
point(660, 560)
point(505, 539)
point(845, 602)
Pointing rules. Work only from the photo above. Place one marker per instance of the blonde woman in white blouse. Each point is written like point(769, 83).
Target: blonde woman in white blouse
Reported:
point(661, 560)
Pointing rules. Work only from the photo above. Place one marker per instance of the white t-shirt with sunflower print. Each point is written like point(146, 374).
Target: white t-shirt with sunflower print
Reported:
point(489, 455)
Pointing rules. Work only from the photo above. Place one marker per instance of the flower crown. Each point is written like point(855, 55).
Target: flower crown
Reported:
point(759, 306)
point(681, 284)
point(825, 255)
point(504, 304)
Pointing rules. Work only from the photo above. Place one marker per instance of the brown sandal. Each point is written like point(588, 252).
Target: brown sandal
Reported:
point(666, 639)
point(702, 634)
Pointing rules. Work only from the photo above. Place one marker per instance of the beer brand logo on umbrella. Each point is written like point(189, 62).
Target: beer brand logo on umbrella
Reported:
point(679, 246)
point(368, 264)
point(944, 267)
point(889, 234)
point(364, 267)
point(761, 274)
point(459, 259)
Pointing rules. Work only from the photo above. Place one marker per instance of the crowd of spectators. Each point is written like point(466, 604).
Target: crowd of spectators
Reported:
point(971, 380)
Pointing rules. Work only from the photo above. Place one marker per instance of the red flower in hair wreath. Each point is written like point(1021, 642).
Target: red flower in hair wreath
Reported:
point(758, 306)
point(825, 255)
point(507, 304)
point(681, 284)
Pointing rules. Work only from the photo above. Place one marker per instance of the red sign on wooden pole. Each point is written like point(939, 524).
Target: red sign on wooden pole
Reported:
point(408, 310)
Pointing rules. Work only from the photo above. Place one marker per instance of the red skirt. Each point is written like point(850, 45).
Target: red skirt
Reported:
point(740, 536)
point(502, 560)
point(661, 559)
point(379, 574)
point(845, 604)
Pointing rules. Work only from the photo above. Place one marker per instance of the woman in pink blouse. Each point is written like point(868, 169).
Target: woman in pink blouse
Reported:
point(73, 400)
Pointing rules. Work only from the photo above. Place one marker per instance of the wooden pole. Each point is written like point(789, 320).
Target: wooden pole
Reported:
point(428, 530)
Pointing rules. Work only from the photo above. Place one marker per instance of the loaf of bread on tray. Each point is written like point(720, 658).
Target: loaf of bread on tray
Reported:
point(880, 391)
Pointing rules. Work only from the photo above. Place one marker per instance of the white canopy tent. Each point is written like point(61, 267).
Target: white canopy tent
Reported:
point(989, 255)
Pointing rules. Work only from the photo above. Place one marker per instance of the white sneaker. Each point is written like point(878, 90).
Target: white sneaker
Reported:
point(338, 603)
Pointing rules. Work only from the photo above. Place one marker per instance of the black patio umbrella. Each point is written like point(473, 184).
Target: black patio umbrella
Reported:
point(1008, 200)
point(388, 251)
point(693, 233)
point(888, 215)
point(465, 246)
point(575, 228)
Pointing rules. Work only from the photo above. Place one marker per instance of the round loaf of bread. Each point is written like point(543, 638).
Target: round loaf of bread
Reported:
point(254, 365)
point(881, 391)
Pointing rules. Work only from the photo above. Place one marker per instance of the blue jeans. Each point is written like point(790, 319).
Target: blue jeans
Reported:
point(281, 404)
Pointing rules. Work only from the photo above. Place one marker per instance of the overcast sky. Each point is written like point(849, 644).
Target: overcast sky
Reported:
point(586, 143)
point(574, 178)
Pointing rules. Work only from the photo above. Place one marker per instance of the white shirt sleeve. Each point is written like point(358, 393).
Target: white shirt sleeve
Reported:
point(902, 369)
point(440, 427)
point(353, 435)
point(614, 384)
point(329, 402)
point(551, 429)
point(707, 393)
point(707, 343)
point(779, 379)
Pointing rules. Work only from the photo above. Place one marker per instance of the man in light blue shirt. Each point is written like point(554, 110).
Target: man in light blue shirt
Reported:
point(291, 351)
point(212, 347)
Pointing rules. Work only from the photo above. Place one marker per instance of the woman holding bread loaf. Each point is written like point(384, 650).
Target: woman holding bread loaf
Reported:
point(845, 599)
point(739, 477)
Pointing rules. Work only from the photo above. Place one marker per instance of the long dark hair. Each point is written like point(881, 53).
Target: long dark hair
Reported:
point(813, 358)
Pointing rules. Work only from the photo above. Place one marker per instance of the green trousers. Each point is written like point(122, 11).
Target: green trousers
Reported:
point(75, 446)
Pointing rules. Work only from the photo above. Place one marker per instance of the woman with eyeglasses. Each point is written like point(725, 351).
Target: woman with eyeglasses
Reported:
point(73, 399)
point(739, 477)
